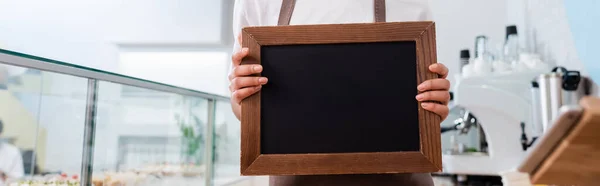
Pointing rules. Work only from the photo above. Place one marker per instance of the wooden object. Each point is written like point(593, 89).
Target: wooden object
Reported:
point(548, 142)
point(573, 160)
point(340, 100)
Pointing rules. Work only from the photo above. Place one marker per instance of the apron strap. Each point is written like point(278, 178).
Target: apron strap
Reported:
point(379, 10)
point(285, 14)
point(287, 7)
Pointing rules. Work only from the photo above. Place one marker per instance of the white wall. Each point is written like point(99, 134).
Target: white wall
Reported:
point(198, 70)
point(553, 36)
point(458, 22)
point(542, 24)
point(88, 32)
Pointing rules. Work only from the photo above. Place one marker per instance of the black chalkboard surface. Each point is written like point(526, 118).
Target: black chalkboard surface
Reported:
point(340, 100)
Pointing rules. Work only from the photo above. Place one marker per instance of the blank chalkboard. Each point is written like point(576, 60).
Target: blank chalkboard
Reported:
point(339, 98)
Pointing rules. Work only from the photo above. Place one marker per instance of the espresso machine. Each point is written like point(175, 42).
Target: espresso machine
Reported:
point(496, 105)
point(509, 111)
point(554, 90)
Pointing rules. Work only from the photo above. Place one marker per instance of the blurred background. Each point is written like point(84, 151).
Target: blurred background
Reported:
point(187, 44)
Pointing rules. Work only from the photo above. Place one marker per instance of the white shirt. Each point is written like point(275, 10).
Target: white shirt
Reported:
point(11, 162)
point(266, 12)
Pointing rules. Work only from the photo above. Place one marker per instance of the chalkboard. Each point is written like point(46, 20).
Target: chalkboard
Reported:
point(340, 100)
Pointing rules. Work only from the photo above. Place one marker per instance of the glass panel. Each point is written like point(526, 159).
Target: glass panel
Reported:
point(43, 116)
point(147, 137)
point(20, 95)
point(142, 137)
point(227, 145)
point(62, 119)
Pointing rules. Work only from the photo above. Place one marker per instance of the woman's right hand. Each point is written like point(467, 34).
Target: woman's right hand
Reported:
point(241, 83)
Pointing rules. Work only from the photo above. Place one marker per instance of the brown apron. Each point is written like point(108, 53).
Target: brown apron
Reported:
point(408, 179)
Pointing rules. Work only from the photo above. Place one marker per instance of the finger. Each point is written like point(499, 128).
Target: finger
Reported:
point(239, 38)
point(441, 110)
point(241, 82)
point(434, 84)
point(439, 69)
point(242, 94)
point(246, 70)
point(237, 57)
point(438, 96)
point(230, 76)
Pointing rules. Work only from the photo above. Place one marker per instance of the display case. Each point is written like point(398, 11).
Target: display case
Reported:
point(80, 126)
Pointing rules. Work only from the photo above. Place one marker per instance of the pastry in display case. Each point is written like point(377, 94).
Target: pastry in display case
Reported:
point(120, 179)
point(169, 170)
point(154, 173)
point(193, 170)
point(49, 180)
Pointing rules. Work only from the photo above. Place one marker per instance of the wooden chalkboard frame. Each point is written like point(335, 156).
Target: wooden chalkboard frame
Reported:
point(428, 159)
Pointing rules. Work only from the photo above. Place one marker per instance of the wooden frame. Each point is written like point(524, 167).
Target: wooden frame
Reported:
point(428, 159)
point(568, 153)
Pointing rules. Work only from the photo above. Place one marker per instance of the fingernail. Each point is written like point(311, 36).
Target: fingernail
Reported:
point(433, 66)
point(262, 80)
point(419, 97)
point(425, 105)
point(244, 49)
point(421, 87)
point(257, 68)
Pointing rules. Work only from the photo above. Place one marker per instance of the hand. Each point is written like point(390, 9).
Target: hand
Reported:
point(241, 83)
point(435, 93)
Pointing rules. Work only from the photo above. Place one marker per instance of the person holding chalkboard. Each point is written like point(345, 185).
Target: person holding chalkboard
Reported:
point(435, 92)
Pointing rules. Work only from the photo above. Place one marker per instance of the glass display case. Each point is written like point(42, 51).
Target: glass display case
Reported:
point(74, 125)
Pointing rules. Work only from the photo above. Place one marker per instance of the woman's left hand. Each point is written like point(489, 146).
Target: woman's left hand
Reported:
point(434, 93)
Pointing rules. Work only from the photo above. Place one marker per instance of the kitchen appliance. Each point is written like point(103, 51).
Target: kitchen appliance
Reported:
point(465, 55)
point(499, 103)
point(556, 89)
point(503, 105)
point(481, 47)
point(511, 46)
point(462, 124)
point(462, 132)
point(483, 61)
point(536, 115)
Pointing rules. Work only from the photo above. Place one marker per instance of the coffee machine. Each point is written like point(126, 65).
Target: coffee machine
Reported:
point(497, 105)
point(507, 110)
point(553, 90)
